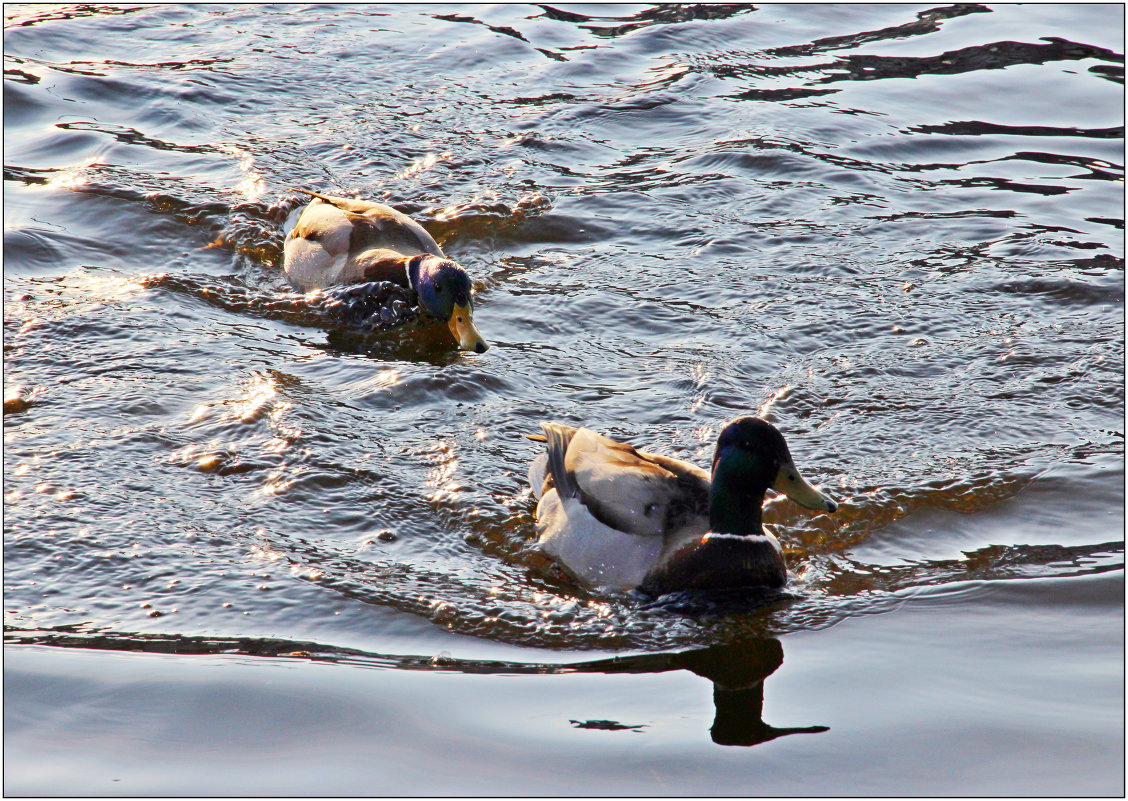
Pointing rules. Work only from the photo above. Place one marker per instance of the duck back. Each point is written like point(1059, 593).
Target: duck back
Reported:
point(334, 241)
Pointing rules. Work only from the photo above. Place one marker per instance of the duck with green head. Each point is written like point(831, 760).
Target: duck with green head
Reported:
point(341, 242)
point(621, 519)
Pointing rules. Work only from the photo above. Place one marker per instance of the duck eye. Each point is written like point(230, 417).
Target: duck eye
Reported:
point(438, 287)
point(791, 477)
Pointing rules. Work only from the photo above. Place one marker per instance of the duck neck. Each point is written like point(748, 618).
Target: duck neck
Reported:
point(733, 508)
point(411, 270)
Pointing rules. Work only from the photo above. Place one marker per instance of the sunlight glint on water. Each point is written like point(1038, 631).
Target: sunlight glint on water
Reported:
point(894, 231)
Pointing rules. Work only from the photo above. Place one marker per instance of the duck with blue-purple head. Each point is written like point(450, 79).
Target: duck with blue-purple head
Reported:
point(356, 250)
point(617, 518)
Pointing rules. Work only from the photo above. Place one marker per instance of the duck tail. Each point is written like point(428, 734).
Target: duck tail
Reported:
point(343, 203)
point(308, 192)
point(557, 437)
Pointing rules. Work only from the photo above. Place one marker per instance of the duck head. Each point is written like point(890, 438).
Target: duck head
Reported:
point(752, 456)
point(444, 292)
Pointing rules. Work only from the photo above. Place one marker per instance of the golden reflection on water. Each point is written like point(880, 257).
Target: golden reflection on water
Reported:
point(260, 391)
point(600, 609)
point(277, 482)
point(448, 213)
point(387, 377)
point(258, 402)
point(253, 186)
point(704, 434)
point(423, 164)
point(199, 413)
point(700, 380)
point(766, 407)
point(209, 462)
point(285, 433)
point(481, 198)
point(263, 553)
point(276, 445)
point(75, 176)
point(441, 477)
point(96, 287)
point(306, 572)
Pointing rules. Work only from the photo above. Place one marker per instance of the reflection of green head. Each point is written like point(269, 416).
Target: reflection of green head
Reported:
point(443, 288)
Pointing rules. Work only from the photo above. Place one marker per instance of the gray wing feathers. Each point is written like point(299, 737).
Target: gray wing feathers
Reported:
point(619, 486)
point(630, 491)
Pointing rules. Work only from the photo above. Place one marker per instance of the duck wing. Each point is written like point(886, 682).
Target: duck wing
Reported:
point(316, 247)
point(628, 490)
point(376, 226)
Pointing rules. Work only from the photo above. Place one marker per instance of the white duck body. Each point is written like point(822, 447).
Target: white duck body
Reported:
point(623, 511)
point(597, 555)
point(335, 241)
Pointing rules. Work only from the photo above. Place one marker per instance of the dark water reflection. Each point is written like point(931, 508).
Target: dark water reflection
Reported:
point(896, 231)
point(737, 670)
point(941, 676)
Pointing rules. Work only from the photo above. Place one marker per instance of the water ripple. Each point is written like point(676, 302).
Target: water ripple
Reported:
point(673, 215)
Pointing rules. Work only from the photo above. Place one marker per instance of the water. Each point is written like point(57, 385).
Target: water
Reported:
point(249, 552)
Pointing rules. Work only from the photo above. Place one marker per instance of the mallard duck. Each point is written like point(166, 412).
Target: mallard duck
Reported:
point(621, 519)
point(337, 241)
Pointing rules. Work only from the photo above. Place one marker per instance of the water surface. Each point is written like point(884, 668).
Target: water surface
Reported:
point(895, 231)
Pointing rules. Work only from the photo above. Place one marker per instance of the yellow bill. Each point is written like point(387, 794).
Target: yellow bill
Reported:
point(462, 328)
point(794, 486)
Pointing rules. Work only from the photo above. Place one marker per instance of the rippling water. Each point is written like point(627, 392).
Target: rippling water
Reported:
point(896, 231)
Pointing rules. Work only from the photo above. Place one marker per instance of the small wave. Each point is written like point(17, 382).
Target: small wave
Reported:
point(993, 56)
point(659, 15)
point(24, 16)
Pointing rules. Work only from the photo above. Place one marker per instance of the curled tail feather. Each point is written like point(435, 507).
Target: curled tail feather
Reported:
point(556, 438)
point(344, 203)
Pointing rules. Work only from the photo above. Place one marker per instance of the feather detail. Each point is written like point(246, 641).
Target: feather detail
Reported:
point(336, 240)
point(558, 438)
point(617, 517)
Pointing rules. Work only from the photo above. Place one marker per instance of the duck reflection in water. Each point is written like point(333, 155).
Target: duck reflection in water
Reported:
point(737, 670)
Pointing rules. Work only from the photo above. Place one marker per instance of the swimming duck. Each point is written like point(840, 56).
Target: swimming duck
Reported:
point(337, 241)
point(618, 518)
